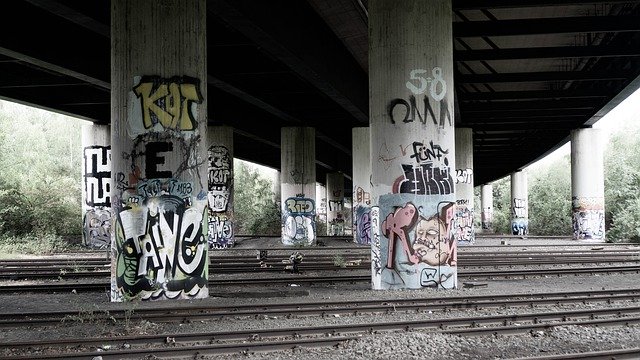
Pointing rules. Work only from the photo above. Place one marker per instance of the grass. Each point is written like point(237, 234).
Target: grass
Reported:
point(32, 244)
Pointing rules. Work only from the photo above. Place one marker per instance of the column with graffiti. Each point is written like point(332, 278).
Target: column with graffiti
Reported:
point(96, 186)
point(412, 144)
point(519, 203)
point(220, 186)
point(587, 184)
point(159, 156)
point(486, 202)
point(335, 204)
point(464, 232)
point(298, 177)
point(361, 186)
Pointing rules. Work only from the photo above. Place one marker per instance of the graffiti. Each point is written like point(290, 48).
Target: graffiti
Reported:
point(97, 175)
point(463, 231)
point(520, 208)
point(220, 231)
point(519, 226)
point(463, 202)
point(407, 111)
point(97, 228)
point(396, 227)
point(362, 196)
point(588, 224)
point(424, 179)
point(336, 226)
point(464, 176)
point(161, 250)
point(220, 168)
point(297, 176)
point(336, 205)
point(423, 153)
point(298, 221)
point(433, 89)
point(167, 103)
point(486, 218)
point(421, 249)
point(376, 260)
point(362, 224)
point(588, 217)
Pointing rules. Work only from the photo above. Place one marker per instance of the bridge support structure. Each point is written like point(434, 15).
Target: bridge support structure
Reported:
point(220, 186)
point(519, 203)
point(412, 144)
point(587, 184)
point(96, 186)
point(486, 204)
point(464, 231)
point(335, 204)
point(298, 177)
point(159, 154)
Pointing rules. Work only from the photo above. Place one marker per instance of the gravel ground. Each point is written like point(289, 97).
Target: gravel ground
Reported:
point(385, 345)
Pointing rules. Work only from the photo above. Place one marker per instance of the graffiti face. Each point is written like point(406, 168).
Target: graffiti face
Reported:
point(430, 241)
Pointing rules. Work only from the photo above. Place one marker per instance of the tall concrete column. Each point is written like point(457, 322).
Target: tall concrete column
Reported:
point(298, 176)
point(158, 137)
point(335, 204)
point(412, 144)
point(220, 186)
point(486, 203)
point(361, 185)
point(464, 232)
point(321, 208)
point(519, 203)
point(587, 184)
point(96, 186)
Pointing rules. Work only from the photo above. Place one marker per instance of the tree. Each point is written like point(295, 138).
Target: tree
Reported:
point(550, 199)
point(254, 210)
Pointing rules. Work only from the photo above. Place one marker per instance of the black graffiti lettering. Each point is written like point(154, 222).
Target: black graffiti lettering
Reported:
point(152, 159)
point(411, 110)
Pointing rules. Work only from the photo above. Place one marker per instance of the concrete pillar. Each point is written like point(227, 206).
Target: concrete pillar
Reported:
point(298, 170)
point(335, 204)
point(361, 185)
point(464, 232)
point(321, 208)
point(220, 186)
point(519, 203)
point(587, 184)
point(158, 138)
point(486, 203)
point(96, 186)
point(412, 144)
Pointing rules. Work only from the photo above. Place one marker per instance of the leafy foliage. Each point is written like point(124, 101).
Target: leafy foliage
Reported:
point(255, 211)
point(40, 178)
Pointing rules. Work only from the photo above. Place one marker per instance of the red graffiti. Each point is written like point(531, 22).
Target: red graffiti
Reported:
point(396, 226)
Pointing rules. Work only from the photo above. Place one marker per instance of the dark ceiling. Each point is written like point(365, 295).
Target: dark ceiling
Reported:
point(526, 71)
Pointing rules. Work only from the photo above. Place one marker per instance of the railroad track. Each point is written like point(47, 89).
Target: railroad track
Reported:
point(178, 313)
point(324, 279)
point(88, 268)
point(224, 342)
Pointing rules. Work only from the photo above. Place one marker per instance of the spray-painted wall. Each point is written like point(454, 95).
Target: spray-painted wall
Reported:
point(519, 203)
point(159, 153)
point(96, 185)
point(464, 232)
point(486, 202)
point(412, 144)
point(298, 176)
point(587, 184)
point(361, 185)
point(220, 186)
point(335, 204)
